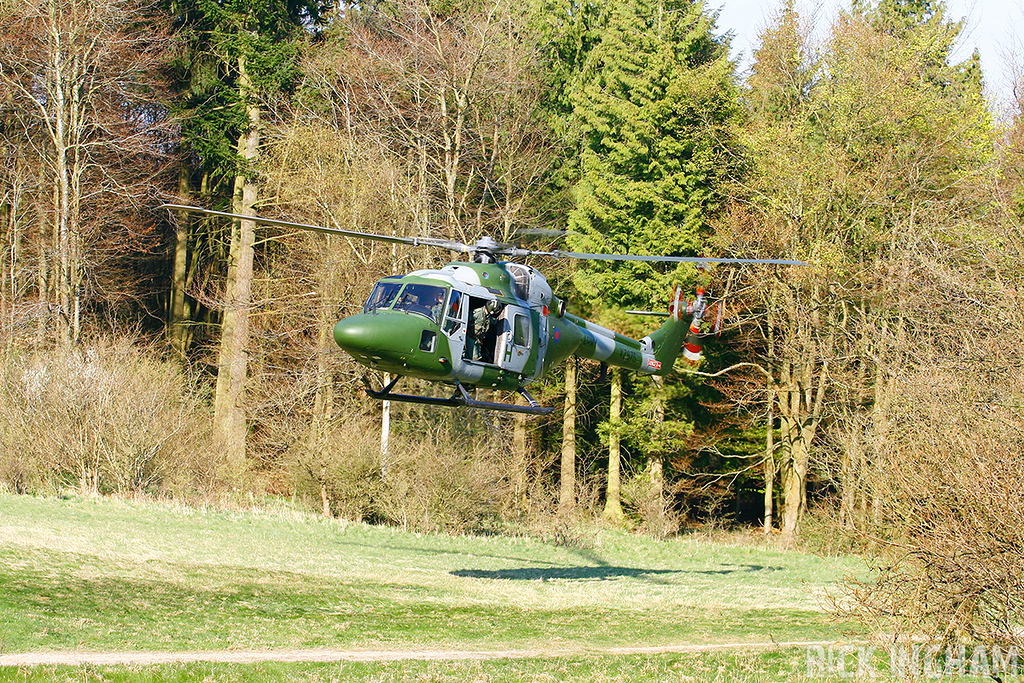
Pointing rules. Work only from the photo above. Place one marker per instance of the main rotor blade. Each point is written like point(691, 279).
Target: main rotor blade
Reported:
point(483, 246)
point(538, 232)
point(414, 241)
point(667, 259)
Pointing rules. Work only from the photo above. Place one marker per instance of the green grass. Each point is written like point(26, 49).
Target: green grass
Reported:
point(774, 667)
point(109, 575)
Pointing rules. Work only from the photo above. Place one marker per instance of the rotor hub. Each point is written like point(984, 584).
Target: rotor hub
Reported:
point(486, 250)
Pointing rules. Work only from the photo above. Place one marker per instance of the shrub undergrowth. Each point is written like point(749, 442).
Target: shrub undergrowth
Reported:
point(109, 418)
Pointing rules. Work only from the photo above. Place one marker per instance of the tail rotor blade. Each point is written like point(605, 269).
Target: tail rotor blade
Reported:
point(719, 318)
point(720, 313)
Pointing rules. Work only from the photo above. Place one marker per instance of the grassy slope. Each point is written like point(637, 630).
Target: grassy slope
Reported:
point(113, 575)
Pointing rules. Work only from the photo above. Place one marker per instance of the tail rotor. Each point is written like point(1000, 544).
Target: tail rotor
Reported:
point(693, 346)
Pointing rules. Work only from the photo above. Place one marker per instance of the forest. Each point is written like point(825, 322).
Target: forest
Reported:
point(869, 402)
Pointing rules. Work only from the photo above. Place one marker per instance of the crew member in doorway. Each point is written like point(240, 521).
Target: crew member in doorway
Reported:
point(482, 334)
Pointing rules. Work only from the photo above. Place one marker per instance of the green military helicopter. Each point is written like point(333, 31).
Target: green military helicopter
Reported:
point(493, 323)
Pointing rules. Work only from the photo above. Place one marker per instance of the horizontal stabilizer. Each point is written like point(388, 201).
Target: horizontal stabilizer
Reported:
point(661, 314)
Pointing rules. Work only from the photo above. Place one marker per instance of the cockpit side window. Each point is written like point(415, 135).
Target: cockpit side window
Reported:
point(426, 300)
point(382, 295)
point(454, 313)
point(520, 280)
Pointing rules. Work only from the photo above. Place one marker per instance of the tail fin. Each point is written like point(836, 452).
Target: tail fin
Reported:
point(670, 338)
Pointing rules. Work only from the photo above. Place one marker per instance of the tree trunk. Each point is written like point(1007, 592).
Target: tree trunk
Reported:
point(794, 477)
point(657, 459)
point(521, 460)
point(176, 327)
point(43, 277)
point(567, 491)
point(323, 400)
point(613, 501)
point(229, 404)
point(10, 213)
point(63, 134)
point(769, 469)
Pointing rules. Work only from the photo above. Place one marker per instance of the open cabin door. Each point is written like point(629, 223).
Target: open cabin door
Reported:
point(513, 347)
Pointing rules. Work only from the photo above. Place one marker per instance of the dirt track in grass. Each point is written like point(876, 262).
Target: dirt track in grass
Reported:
point(331, 655)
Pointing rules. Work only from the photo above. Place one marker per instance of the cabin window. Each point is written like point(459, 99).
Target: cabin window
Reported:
point(428, 340)
point(427, 300)
point(382, 295)
point(521, 331)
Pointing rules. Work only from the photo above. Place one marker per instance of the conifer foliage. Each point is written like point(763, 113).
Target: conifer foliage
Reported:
point(653, 115)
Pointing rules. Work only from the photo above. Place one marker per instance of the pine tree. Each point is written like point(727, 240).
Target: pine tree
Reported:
point(653, 111)
point(650, 109)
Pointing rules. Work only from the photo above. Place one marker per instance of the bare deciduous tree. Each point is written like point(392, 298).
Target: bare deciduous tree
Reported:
point(80, 82)
point(949, 538)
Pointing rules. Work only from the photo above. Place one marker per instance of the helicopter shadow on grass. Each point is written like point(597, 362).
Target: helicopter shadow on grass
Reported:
point(596, 569)
point(591, 573)
point(599, 570)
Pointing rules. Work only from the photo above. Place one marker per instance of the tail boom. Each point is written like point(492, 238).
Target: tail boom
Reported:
point(656, 353)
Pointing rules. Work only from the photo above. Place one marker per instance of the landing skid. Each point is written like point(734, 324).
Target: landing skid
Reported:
point(461, 397)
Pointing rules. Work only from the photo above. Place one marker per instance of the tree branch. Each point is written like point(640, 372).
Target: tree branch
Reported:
point(687, 371)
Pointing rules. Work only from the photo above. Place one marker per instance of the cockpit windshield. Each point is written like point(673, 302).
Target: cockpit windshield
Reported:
point(382, 296)
point(426, 300)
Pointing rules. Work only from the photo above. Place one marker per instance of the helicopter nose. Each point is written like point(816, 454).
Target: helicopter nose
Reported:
point(355, 334)
point(394, 341)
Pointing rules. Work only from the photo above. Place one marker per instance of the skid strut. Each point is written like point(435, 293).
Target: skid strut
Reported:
point(461, 397)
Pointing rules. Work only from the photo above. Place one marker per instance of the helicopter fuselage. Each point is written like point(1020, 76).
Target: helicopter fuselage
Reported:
point(492, 325)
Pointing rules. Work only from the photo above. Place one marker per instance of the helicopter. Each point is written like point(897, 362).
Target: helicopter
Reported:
point(495, 324)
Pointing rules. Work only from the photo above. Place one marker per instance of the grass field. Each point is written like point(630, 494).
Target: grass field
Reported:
point(101, 575)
